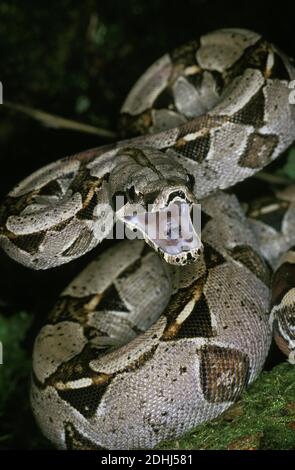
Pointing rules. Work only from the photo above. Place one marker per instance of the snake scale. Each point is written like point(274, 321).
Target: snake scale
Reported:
point(152, 339)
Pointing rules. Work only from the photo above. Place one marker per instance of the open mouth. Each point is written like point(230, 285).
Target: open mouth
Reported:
point(170, 231)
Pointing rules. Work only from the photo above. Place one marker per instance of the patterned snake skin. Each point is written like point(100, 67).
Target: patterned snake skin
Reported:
point(153, 338)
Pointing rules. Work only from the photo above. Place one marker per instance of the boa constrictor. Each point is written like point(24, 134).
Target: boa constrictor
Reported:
point(140, 347)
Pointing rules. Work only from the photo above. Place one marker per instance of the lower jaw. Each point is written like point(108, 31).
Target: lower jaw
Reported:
point(182, 258)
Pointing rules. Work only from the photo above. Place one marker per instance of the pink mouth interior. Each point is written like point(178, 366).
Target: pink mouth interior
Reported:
point(170, 229)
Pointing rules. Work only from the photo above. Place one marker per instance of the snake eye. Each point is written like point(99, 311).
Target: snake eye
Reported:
point(131, 194)
point(190, 181)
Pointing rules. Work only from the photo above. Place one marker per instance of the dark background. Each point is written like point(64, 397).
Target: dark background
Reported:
point(78, 60)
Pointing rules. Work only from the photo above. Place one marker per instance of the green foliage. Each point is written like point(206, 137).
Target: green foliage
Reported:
point(264, 418)
point(16, 364)
point(17, 427)
point(289, 168)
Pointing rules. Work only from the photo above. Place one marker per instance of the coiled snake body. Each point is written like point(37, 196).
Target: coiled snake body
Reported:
point(146, 343)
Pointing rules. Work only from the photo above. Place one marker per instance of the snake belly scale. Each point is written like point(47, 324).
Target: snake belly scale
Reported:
point(155, 337)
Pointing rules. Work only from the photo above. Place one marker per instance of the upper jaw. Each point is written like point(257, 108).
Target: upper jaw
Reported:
point(176, 193)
